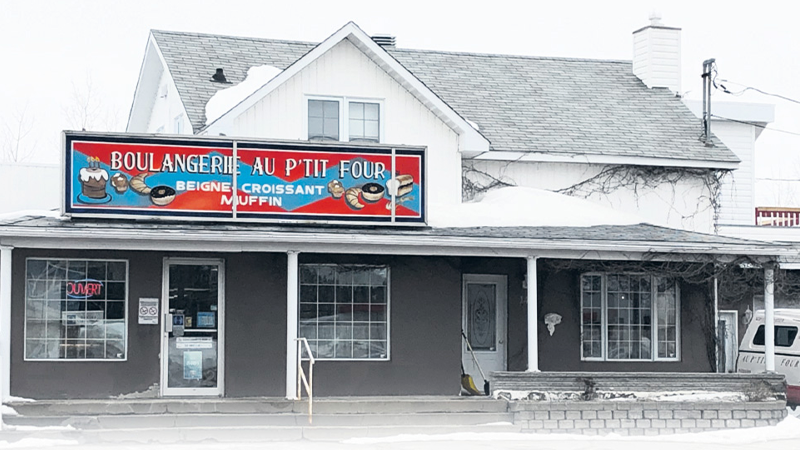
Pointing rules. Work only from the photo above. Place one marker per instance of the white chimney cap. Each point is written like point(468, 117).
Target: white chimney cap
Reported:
point(655, 19)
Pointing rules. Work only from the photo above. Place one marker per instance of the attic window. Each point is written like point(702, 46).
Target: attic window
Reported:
point(343, 119)
point(323, 119)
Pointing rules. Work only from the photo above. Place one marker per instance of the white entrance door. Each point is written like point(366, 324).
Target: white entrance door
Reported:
point(730, 344)
point(484, 324)
point(192, 338)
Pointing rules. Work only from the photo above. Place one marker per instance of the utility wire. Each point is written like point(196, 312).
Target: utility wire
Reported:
point(757, 125)
point(724, 89)
point(777, 179)
point(750, 88)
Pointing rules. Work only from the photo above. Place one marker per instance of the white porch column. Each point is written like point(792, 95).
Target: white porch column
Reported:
point(5, 324)
point(292, 282)
point(716, 327)
point(769, 318)
point(533, 323)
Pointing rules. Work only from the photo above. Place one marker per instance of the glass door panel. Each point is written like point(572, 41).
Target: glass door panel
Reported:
point(192, 329)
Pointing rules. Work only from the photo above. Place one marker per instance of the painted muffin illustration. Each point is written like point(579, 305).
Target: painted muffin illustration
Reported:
point(162, 195)
point(120, 182)
point(335, 188)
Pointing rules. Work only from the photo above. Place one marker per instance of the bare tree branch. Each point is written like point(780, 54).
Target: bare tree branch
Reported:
point(17, 143)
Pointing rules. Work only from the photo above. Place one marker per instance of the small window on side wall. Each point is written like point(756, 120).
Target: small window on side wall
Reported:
point(323, 120)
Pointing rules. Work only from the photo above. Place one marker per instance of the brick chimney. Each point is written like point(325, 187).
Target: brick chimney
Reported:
point(657, 55)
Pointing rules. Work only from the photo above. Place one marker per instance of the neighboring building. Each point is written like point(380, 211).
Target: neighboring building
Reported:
point(44, 194)
point(157, 280)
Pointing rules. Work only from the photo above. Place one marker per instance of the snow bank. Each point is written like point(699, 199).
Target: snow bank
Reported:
point(30, 212)
point(224, 100)
point(13, 399)
point(7, 411)
point(523, 206)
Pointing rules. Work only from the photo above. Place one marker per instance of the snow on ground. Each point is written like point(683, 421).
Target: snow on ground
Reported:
point(524, 206)
point(786, 435)
point(225, 99)
point(7, 411)
point(34, 443)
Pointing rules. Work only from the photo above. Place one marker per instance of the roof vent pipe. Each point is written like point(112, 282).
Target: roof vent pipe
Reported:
point(219, 76)
point(384, 40)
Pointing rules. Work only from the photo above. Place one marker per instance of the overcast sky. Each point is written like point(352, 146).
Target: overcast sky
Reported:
point(50, 50)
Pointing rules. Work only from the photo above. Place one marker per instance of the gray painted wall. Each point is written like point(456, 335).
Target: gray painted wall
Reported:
point(559, 292)
point(425, 308)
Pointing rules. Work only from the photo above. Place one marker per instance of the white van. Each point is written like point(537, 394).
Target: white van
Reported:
point(787, 349)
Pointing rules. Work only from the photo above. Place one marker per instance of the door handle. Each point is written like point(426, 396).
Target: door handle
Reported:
point(168, 322)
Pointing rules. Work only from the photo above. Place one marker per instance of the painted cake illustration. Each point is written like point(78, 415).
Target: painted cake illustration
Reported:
point(93, 180)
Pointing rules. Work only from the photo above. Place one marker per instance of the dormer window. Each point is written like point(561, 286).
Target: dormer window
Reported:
point(334, 119)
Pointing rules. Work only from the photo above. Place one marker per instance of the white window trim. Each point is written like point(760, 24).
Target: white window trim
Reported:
point(344, 115)
point(69, 360)
point(653, 324)
point(388, 316)
point(177, 124)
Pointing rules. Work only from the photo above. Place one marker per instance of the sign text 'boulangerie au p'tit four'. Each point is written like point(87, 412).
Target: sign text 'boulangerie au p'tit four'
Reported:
point(123, 175)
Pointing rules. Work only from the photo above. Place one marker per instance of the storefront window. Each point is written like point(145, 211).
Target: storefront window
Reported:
point(629, 317)
point(344, 311)
point(75, 309)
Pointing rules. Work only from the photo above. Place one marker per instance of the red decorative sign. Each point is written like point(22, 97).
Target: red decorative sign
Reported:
point(124, 175)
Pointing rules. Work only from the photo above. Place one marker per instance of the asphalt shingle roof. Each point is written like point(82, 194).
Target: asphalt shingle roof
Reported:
point(599, 233)
point(527, 104)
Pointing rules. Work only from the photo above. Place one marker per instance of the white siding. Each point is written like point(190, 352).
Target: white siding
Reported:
point(684, 204)
point(42, 194)
point(345, 71)
point(737, 196)
point(167, 106)
point(657, 57)
point(762, 233)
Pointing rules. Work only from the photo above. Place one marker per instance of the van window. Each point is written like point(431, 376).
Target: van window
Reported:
point(784, 336)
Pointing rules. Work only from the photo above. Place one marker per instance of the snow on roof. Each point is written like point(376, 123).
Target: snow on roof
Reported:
point(224, 100)
point(524, 206)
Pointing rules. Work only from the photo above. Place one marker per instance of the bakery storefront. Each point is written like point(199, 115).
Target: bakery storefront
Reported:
point(156, 280)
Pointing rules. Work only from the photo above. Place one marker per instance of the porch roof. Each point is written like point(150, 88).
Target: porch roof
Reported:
point(603, 242)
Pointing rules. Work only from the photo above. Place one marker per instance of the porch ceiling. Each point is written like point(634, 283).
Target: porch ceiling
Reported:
point(633, 242)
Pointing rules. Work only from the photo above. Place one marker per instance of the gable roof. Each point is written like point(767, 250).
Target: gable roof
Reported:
point(552, 106)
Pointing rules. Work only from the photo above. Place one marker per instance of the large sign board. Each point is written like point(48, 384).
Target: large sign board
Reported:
point(122, 175)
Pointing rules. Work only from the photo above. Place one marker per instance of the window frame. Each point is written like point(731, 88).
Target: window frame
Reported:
point(761, 332)
point(388, 357)
point(344, 116)
point(177, 124)
point(653, 319)
point(125, 309)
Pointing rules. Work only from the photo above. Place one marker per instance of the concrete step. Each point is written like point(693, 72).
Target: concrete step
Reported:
point(328, 405)
point(140, 421)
